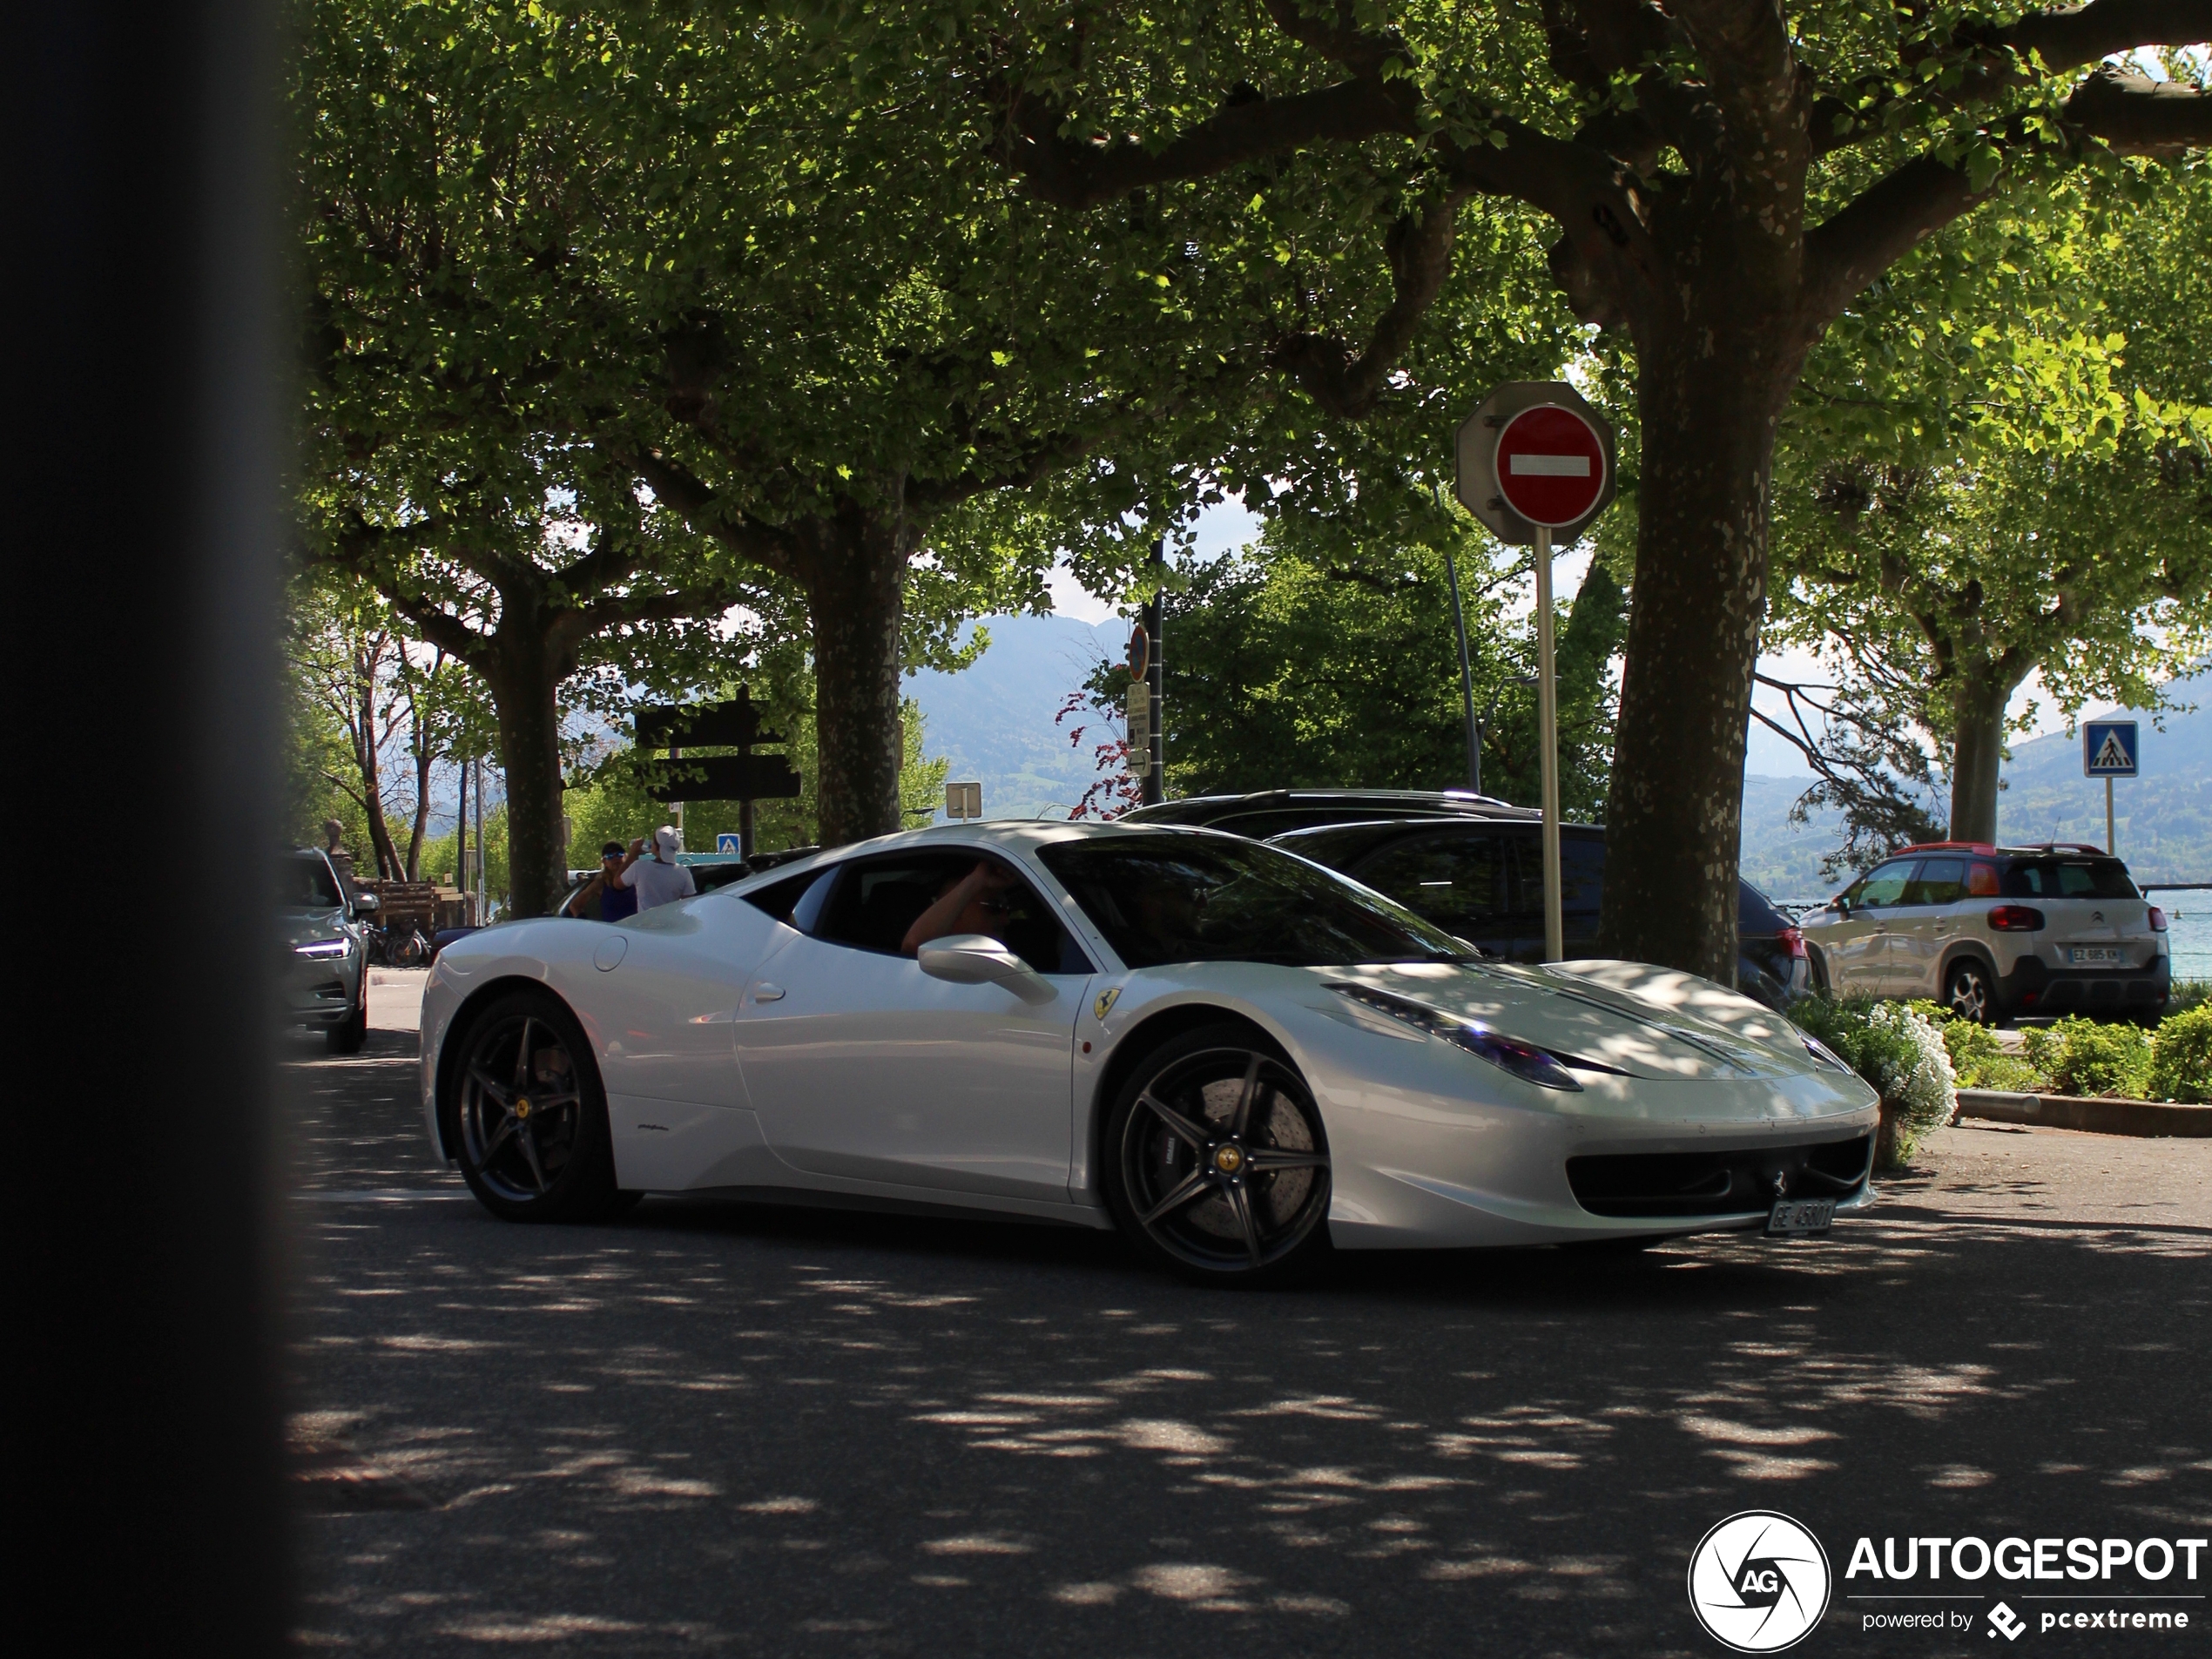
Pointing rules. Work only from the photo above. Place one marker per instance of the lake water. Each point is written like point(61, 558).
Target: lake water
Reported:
point(2190, 921)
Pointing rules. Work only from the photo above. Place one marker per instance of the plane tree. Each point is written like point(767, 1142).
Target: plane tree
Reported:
point(1724, 178)
point(2002, 467)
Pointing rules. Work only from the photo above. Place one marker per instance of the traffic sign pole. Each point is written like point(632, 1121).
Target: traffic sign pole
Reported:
point(2112, 824)
point(1548, 749)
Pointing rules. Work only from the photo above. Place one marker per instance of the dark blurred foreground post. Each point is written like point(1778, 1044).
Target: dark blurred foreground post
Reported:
point(143, 1439)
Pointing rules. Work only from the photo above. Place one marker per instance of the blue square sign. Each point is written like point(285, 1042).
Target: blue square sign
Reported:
point(726, 842)
point(2108, 749)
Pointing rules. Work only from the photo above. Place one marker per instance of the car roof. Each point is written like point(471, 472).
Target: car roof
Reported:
point(1392, 803)
point(1386, 826)
point(1005, 835)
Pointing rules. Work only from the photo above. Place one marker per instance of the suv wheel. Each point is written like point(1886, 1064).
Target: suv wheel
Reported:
point(1970, 993)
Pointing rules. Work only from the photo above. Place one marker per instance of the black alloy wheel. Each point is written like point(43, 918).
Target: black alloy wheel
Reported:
point(527, 1113)
point(1969, 993)
point(1216, 1163)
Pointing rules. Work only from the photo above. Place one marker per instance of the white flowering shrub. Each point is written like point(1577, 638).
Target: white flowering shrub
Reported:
point(1927, 1088)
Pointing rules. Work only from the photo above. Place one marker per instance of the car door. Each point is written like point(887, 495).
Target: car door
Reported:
point(1922, 925)
point(1454, 878)
point(1857, 944)
point(863, 1067)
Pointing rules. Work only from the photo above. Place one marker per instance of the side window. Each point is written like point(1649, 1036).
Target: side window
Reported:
point(1981, 881)
point(1456, 882)
point(1940, 881)
point(1885, 886)
point(878, 901)
point(783, 899)
point(1581, 875)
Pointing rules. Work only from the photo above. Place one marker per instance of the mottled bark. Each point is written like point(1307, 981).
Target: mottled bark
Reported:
point(1674, 809)
point(1978, 752)
point(525, 678)
point(853, 568)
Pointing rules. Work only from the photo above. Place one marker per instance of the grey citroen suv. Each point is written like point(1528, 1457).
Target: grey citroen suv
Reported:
point(1996, 933)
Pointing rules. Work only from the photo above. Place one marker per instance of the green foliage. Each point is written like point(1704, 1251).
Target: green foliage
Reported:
point(1897, 1050)
point(2188, 994)
point(2080, 1057)
point(1313, 661)
point(1973, 1048)
point(2181, 1062)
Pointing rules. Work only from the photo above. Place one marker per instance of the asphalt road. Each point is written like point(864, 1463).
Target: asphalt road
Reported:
point(711, 1427)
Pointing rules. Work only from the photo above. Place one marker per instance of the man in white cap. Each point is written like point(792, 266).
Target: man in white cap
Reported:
point(658, 879)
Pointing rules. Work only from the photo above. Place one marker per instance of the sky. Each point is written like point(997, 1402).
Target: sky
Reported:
point(1225, 527)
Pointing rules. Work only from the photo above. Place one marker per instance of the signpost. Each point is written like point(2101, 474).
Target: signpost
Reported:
point(743, 777)
point(963, 800)
point(1536, 461)
point(2109, 751)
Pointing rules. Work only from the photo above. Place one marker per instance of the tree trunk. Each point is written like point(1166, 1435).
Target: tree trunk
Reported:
point(1675, 811)
point(370, 764)
point(854, 577)
point(1978, 749)
point(523, 682)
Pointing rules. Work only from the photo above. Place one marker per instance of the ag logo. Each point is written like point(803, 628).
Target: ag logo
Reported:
point(1758, 1582)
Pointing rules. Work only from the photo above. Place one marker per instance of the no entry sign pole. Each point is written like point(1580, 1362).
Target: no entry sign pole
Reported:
point(1547, 750)
point(1536, 459)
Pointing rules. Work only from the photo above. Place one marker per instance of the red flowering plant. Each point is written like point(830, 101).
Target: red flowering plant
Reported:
point(1098, 701)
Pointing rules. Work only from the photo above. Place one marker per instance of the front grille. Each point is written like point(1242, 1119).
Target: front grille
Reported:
point(1717, 1183)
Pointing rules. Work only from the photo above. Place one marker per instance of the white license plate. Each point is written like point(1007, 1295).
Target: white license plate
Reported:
point(2095, 956)
point(1796, 1217)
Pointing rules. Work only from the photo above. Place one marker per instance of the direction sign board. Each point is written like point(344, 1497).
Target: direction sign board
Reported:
point(704, 726)
point(1535, 456)
point(2108, 749)
point(725, 777)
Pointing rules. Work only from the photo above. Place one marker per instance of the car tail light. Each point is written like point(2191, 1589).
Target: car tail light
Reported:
point(2157, 919)
point(2016, 919)
point(1793, 940)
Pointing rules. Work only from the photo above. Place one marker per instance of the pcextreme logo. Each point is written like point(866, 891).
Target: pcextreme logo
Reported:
point(1759, 1582)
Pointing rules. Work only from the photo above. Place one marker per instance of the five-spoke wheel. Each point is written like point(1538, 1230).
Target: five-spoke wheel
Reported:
point(529, 1120)
point(1969, 993)
point(1216, 1159)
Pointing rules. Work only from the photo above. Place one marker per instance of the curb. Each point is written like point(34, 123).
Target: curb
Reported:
point(2096, 1116)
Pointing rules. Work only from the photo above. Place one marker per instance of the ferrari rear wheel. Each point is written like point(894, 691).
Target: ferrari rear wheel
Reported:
point(1216, 1162)
point(527, 1113)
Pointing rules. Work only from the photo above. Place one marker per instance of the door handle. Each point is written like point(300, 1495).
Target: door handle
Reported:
point(767, 993)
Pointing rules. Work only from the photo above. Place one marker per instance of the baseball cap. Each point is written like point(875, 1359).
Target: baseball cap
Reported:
point(667, 840)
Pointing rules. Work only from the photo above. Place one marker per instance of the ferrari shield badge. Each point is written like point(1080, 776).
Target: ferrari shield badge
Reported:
point(1105, 1001)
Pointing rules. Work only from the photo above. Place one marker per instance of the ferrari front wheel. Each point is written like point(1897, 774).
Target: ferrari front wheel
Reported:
point(1216, 1165)
point(528, 1115)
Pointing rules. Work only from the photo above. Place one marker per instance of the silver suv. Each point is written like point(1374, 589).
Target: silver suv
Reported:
point(1994, 932)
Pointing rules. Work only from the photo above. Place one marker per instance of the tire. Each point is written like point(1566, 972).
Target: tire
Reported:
point(1970, 991)
point(351, 1033)
point(1214, 1162)
point(525, 1105)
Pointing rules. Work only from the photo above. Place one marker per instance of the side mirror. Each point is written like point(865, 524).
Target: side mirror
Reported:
point(973, 959)
point(367, 904)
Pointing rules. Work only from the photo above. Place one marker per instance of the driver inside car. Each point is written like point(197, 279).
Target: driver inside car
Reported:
point(978, 902)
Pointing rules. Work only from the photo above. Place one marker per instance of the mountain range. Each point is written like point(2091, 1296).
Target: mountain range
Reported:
point(994, 722)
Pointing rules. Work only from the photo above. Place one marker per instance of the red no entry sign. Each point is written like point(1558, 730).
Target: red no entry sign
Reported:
point(1550, 465)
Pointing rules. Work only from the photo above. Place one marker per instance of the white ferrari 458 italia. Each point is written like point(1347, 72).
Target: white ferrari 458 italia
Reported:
point(1236, 1056)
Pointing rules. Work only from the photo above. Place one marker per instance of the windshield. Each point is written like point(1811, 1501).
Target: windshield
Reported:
point(305, 883)
point(1184, 898)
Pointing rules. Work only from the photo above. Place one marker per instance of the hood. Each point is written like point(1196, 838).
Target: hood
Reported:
point(1601, 1018)
point(298, 926)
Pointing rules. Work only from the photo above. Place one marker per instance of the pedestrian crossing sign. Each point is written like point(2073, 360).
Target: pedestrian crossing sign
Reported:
point(726, 842)
point(2108, 749)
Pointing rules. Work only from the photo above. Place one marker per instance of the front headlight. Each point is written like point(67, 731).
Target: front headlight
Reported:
point(1524, 1060)
point(323, 950)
